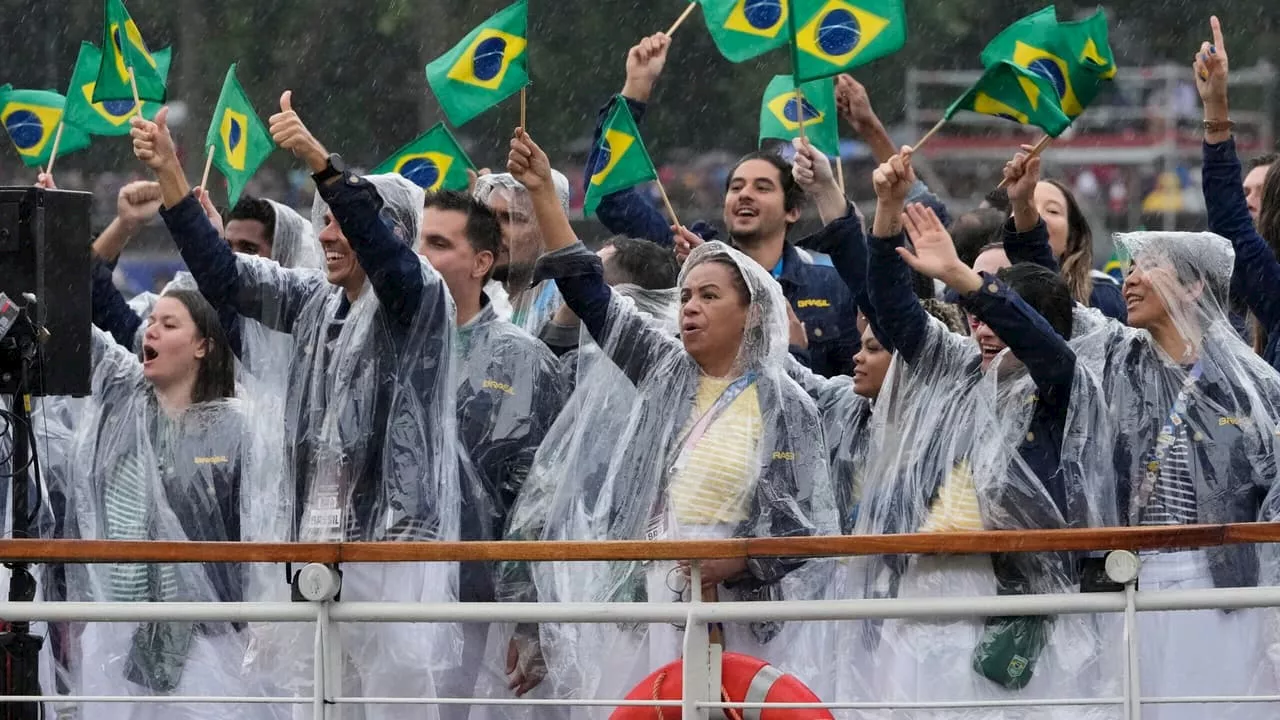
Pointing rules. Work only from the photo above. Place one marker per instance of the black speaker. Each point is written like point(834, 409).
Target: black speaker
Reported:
point(44, 252)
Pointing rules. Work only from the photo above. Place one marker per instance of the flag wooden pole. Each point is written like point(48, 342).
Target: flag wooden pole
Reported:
point(683, 16)
point(667, 202)
point(208, 163)
point(524, 104)
point(53, 153)
point(133, 83)
point(1035, 152)
point(840, 174)
point(932, 131)
point(800, 110)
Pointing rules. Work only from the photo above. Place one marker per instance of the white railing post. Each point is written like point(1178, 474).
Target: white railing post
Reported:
point(318, 689)
point(696, 661)
point(1122, 566)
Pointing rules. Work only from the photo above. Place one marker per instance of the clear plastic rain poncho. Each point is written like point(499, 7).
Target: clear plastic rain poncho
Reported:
point(529, 308)
point(370, 446)
point(570, 459)
point(1197, 443)
point(948, 457)
point(140, 474)
point(768, 450)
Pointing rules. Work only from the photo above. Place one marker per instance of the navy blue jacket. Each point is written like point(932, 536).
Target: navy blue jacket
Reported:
point(1256, 276)
point(1033, 247)
point(1047, 357)
point(812, 287)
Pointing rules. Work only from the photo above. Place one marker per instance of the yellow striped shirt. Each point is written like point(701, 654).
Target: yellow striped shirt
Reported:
point(716, 483)
point(956, 507)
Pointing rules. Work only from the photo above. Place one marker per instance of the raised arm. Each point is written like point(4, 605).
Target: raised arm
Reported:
point(1026, 238)
point(1047, 356)
point(902, 320)
point(628, 212)
point(843, 236)
point(632, 344)
point(111, 312)
point(1257, 272)
point(393, 268)
point(136, 204)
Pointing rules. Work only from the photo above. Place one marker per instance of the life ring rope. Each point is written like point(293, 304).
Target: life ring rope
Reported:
point(724, 697)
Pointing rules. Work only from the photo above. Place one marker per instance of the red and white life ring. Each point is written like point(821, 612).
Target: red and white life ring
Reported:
point(743, 679)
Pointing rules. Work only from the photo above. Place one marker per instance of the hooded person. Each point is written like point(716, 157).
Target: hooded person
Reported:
point(568, 475)
point(161, 452)
point(529, 308)
point(509, 391)
point(721, 443)
point(1196, 414)
point(998, 431)
point(369, 418)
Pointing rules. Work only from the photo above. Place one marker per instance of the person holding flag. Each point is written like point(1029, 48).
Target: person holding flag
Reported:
point(721, 443)
point(761, 203)
point(369, 421)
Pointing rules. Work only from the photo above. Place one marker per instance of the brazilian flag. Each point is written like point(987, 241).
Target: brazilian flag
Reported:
point(1074, 57)
point(832, 36)
point(32, 117)
point(1009, 91)
point(122, 49)
point(743, 29)
point(620, 160)
point(434, 161)
point(487, 67)
point(781, 112)
point(110, 117)
point(239, 141)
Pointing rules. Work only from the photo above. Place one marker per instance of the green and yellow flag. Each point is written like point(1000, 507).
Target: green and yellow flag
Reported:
point(780, 112)
point(743, 29)
point(110, 117)
point(1074, 57)
point(123, 48)
point(239, 140)
point(620, 161)
point(487, 67)
point(434, 161)
point(832, 36)
point(1009, 91)
point(32, 117)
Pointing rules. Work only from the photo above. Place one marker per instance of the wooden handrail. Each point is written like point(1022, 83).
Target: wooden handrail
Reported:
point(957, 543)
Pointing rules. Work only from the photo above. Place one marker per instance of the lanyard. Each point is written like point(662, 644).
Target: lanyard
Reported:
point(658, 524)
point(1165, 440)
point(722, 403)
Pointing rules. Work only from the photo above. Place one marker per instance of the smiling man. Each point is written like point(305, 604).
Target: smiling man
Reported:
point(761, 203)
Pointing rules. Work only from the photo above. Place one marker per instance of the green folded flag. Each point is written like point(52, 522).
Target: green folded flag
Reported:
point(487, 67)
point(621, 161)
point(1074, 57)
point(1011, 92)
point(239, 141)
point(32, 117)
point(1090, 44)
point(743, 29)
point(780, 113)
point(832, 36)
point(110, 117)
point(123, 48)
point(434, 161)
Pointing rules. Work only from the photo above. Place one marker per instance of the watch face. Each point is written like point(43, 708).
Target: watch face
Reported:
point(335, 162)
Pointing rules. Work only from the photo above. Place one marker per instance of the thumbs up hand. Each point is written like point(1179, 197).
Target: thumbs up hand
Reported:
point(152, 143)
point(288, 131)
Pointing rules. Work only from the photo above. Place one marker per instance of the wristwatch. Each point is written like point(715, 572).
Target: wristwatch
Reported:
point(334, 168)
point(1216, 126)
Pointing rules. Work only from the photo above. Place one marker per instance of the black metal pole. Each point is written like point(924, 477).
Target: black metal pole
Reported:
point(21, 649)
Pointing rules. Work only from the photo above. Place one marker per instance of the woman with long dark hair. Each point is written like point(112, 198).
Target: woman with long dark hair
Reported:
point(159, 455)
